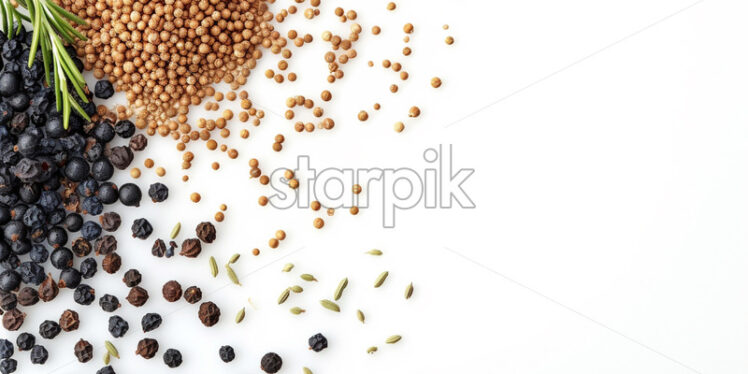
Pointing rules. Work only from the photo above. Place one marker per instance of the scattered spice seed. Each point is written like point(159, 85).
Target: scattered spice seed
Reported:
point(287, 268)
point(213, 266)
point(341, 287)
point(319, 223)
point(391, 6)
point(307, 370)
point(371, 350)
point(296, 310)
point(363, 116)
point(380, 279)
point(414, 112)
point(374, 252)
point(232, 275)
point(195, 197)
point(449, 40)
point(399, 126)
point(240, 316)
point(111, 349)
point(308, 277)
point(393, 339)
point(409, 291)
point(327, 304)
point(436, 82)
point(234, 258)
point(284, 296)
point(360, 315)
point(106, 358)
point(175, 230)
point(297, 289)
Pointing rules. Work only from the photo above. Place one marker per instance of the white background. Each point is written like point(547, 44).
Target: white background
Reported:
point(609, 234)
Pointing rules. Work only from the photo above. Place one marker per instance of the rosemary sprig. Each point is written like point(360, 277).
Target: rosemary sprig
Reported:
point(51, 25)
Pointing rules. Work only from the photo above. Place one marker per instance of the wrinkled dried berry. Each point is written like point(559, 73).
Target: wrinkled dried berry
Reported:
point(158, 192)
point(226, 353)
point(193, 294)
point(137, 296)
point(27, 296)
point(159, 248)
point(118, 326)
point(84, 295)
point(120, 157)
point(110, 221)
point(81, 247)
point(25, 341)
point(6, 348)
point(206, 232)
point(132, 278)
point(106, 245)
point(69, 320)
point(138, 142)
point(8, 366)
point(172, 358)
point(8, 300)
point(124, 128)
point(39, 355)
point(170, 251)
point(109, 303)
point(317, 342)
point(49, 329)
point(106, 370)
point(13, 319)
point(209, 313)
point(48, 290)
point(111, 263)
point(83, 351)
point(141, 228)
point(172, 291)
point(88, 268)
point(150, 322)
point(147, 348)
point(103, 89)
point(271, 363)
point(191, 248)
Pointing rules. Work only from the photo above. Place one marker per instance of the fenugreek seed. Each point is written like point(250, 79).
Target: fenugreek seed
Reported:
point(308, 277)
point(380, 279)
point(111, 349)
point(106, 358)
point(393, 339)
point(371, 350)
point(330, 305)
point(307, 371)
point(284, 296)
point(409, 291)
point(288, 267)
point(360, 315)
point(297, 289)
point(296, 310)
point(234, 258)
point(175, 230)
point(341, 286)
point(374, 252)
point(232, 275)
point(213, 266)
point(240, 316)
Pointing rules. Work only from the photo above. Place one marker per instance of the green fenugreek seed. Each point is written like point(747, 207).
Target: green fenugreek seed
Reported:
point(330, 305)
point(341, 286)
point(232, 275)
point(106, 358)
point(409, 291)
point(284, 296)
point(371, 350)
point(111, 349)
point(374, 252)
point(296, 310)
point(240, 316)
point(307, 371)
point(288, 267)
point(297, 289)
point(360, 315)
point(380, 279)
point(213, 266)
point(308, 277)
point(234, 258)
point(175, 230)
point(393, 339)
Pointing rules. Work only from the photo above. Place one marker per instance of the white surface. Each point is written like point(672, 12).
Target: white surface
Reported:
point(612, 191)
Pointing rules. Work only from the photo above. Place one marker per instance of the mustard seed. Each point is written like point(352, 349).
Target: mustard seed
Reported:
point(256, 252)
point(436, 82)
point(399, 126)
point(319, 223)
point(354, 210)
point(414, 112)
point(263, 200)
point(363, 116)
point(219, 217)
point(215, 165)
point(195, 197)
point(280, 235)
point(222, 207)
point(148, 163)
point(391, 6)
point(449, 40)
point(408, 28)
point(315, 205)
point(330, 212)
point(357, 189)
point(135, 173)
point(326, 95)
point(160, 171)
point(376, 30)
point(407, 51)
point(273, 243)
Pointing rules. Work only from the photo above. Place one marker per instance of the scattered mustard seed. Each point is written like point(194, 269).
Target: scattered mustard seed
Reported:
point(319, 223)
point(391, 6)
point(436, 82)
point(195, 197)
point(148, 163)
point(449, 40)
point(135, 173)
point(363, 116)
point(280, 235)
point(399, 126)
point(414, 112)
point(219, 217)
point(408, 28)
point(160, 171)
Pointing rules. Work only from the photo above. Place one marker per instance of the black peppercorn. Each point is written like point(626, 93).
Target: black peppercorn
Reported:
point(172, 358)
point(49, 329)
point(69, 320)
point(118, 326)
point(13, 319)
point(84, 295)
point(193, 294)
point(111, 263)
point(110, 221)
point(226, 353)
point(317, 342)
point(8, 366)
point(141, 228)
point(137, 296)
point(147, 348)
point(132, 278)
point(172, 291)
point(209, 313)
point(83, 351)
point(27, 296)
point(158, 192)
point(109, 303)
point(25, 341)
point(39, 355)
point(150, 321)
point(206, 232)
point(271, 363)
point(6, 348)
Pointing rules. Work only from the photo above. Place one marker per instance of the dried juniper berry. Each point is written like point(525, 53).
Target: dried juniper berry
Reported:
point(39, 355)
point(48, 290)
point(111, 263)
point(147, 348)
point(170, 250)
point(132, 278)
point(27, 296)
point(130, 195)
point(118, 326)
point(88, 268)
point(158, 192)
point(226, 353)
point(138, 296)
point(84, 294)
point(61, 258)
point(38, 254)
point(106, 245)
point(25, 341)
point(69, 278)
point(8, 366)
point(317, 342)
point(141, 228)
point(91, 230)
point(109, 303)
point(8, 300)
point(57, 237)
point(150, 321)
point(31, 273)
point(102, 170)
point(159, 248)
point(103, 89)
point(193, 294)
point(103, 131)
point(6, 348)
point(108, 193)
point(172, 291)
point(172, 358)
point(138, 142)
point(77, 169)
point(271, 363)
point(9, 280)
point(110, 221)
point(206, 232)
point(13, 319)
point(81, 247)
point(106, 370)
point(87, 188)
point(49, 329)
point(209, 313)
point(73, 222)
point(92, 206)
point(120, 157)
point(69, 320)
point(124, 129)
point(83, 351)
point(191, 248)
